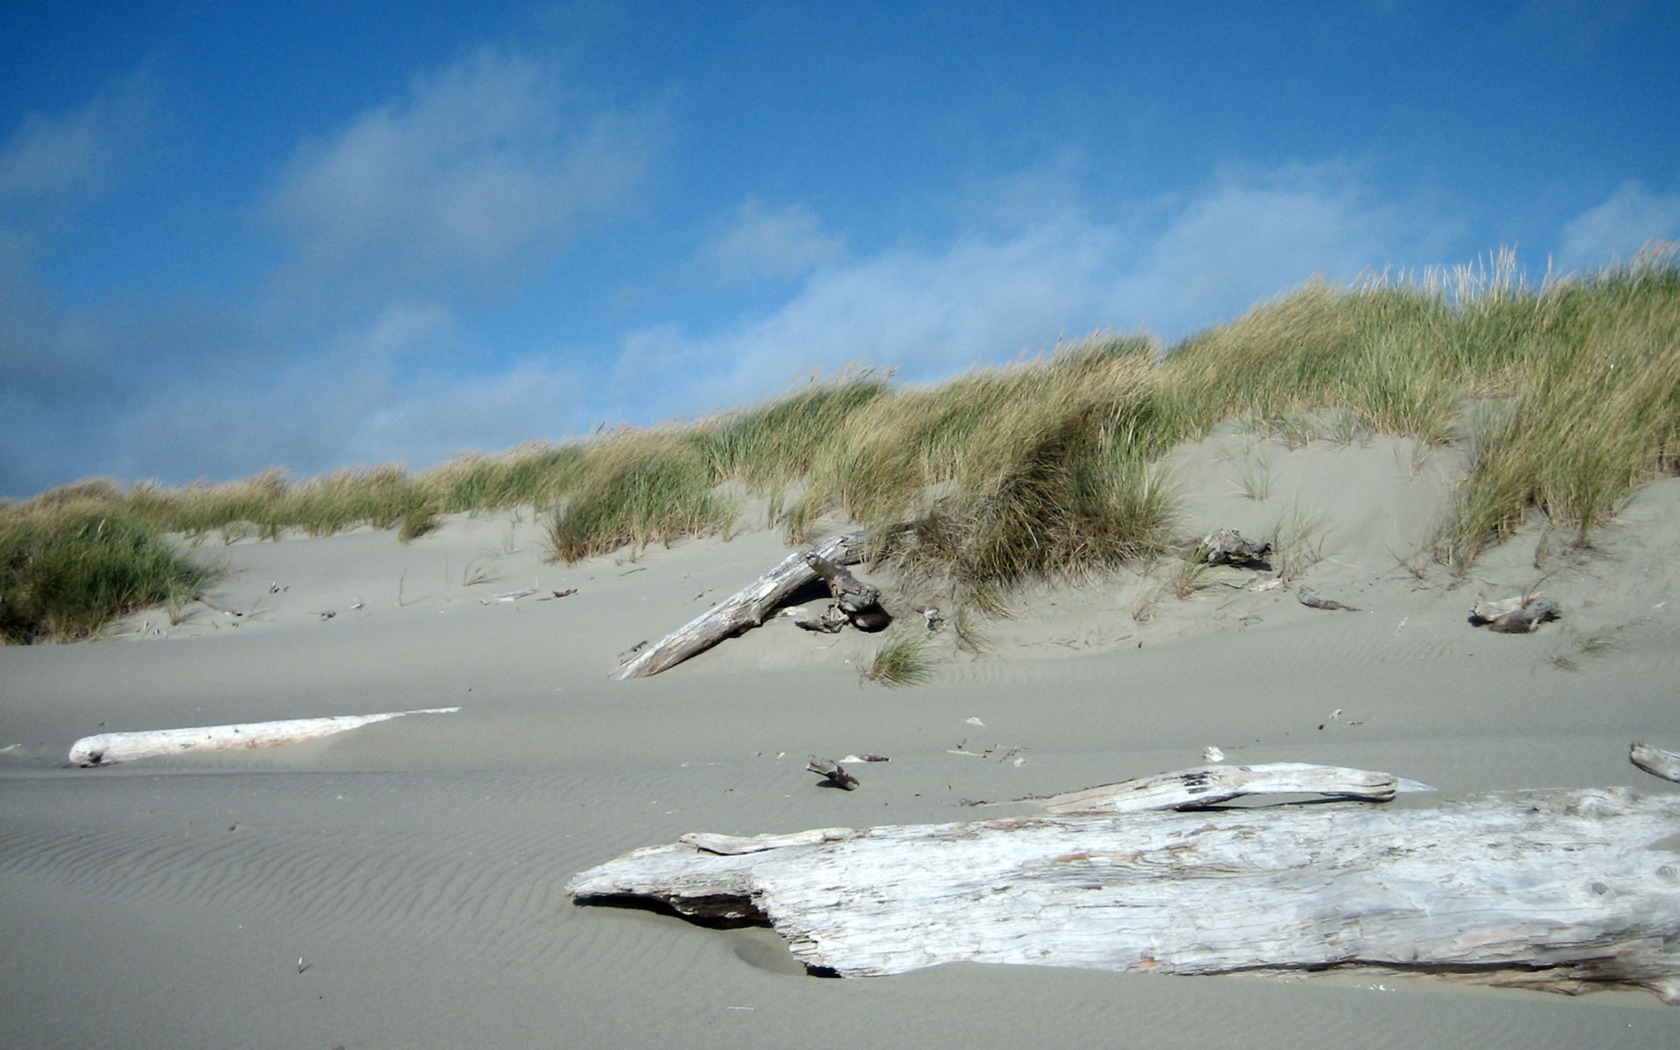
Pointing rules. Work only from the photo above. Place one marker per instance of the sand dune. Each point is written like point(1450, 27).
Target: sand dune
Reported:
point(416, 866)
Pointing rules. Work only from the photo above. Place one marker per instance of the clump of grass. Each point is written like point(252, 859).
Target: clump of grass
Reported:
point(1042, 467)
point(1297, 539)
point(901, 660)
point(770, 444)
point(1593, 411)
point(69, 568)
point(635, 489)
point(535, 474)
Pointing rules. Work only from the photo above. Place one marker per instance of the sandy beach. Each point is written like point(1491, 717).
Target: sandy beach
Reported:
point(401, 884)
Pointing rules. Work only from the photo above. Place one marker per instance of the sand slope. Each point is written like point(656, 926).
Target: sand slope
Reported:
point(415, 866)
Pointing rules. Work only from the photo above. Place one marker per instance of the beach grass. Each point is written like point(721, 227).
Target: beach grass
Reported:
point(68, 570)
point(901, 660)
point(1565, 394)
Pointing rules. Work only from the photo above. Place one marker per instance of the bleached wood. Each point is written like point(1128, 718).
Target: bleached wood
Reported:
point(106, 749)
point(1208, 785)
point(745, 608)
point(1551, 889)
point(1656, 761)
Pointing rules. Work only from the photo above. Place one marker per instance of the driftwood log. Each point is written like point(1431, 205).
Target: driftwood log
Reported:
point(1553, 889)
point(1209, 785)
point(746, 608)
point(1656, 761)
point(832, 772)
point(1312, 600)
point(1519, 615)
point(106, 749)
point(1230, 547)
point(854, 601)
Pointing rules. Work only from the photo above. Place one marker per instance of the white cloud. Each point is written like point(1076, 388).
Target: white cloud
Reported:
point(480, 171)
point(928, 315)
point(1255, 235)
point(760, 242)
point(1628, 220)
point(78, 154)
point(438, 418)
point(986, 300)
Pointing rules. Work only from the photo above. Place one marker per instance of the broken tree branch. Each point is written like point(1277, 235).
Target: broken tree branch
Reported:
point(1548, 889)
point(832, 771)
point(746, 608)
point(1311, 599)
point(859, 601)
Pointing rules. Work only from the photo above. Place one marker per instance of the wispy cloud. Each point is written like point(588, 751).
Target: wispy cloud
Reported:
point(483, 170)
point(73, 156)
point(776, 243)
point(1195, 261)
point(1615, 230)
point(464, 191)
point(1253, 235)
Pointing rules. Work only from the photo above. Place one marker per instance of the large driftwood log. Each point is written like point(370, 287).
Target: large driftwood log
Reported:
point(1554, 889)
point(1205, 786)
point(745, 608)
point(106, 749)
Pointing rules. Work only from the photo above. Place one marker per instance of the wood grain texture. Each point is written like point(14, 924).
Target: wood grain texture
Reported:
point(1550, 889)
point(746, 608)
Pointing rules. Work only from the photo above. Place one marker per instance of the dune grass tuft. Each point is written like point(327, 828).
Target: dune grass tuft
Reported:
point(901, 660)
point(67, 569)
point(637, 488)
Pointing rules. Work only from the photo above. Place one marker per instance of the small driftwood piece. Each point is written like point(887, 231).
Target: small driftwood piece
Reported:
point(1517, 615)
point(1556, 890)
point(832, 772)
point(107, 749)
point(216, 605)
point(1228, 547)
point(1656, 761)
point(1311, 600)
point(746, 608)
point(1203, 786)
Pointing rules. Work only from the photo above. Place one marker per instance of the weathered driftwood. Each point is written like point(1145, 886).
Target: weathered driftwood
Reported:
point(1310, 598)
point(216, 605)
point(106, 749)
point(833, 772)
point(1228, 547)
point(860, 602)
point(1554, 889)
point(746, 608)
point(1656, 761)
point(1204, 786)
point(1519, 615)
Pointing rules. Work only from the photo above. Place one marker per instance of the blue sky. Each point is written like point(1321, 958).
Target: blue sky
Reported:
point(311, 235)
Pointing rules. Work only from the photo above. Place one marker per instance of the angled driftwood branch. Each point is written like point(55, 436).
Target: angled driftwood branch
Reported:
point(1656, 761)
point(1204, 786)
point(107, 749)
point(748, 607)
point(1552, 889)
